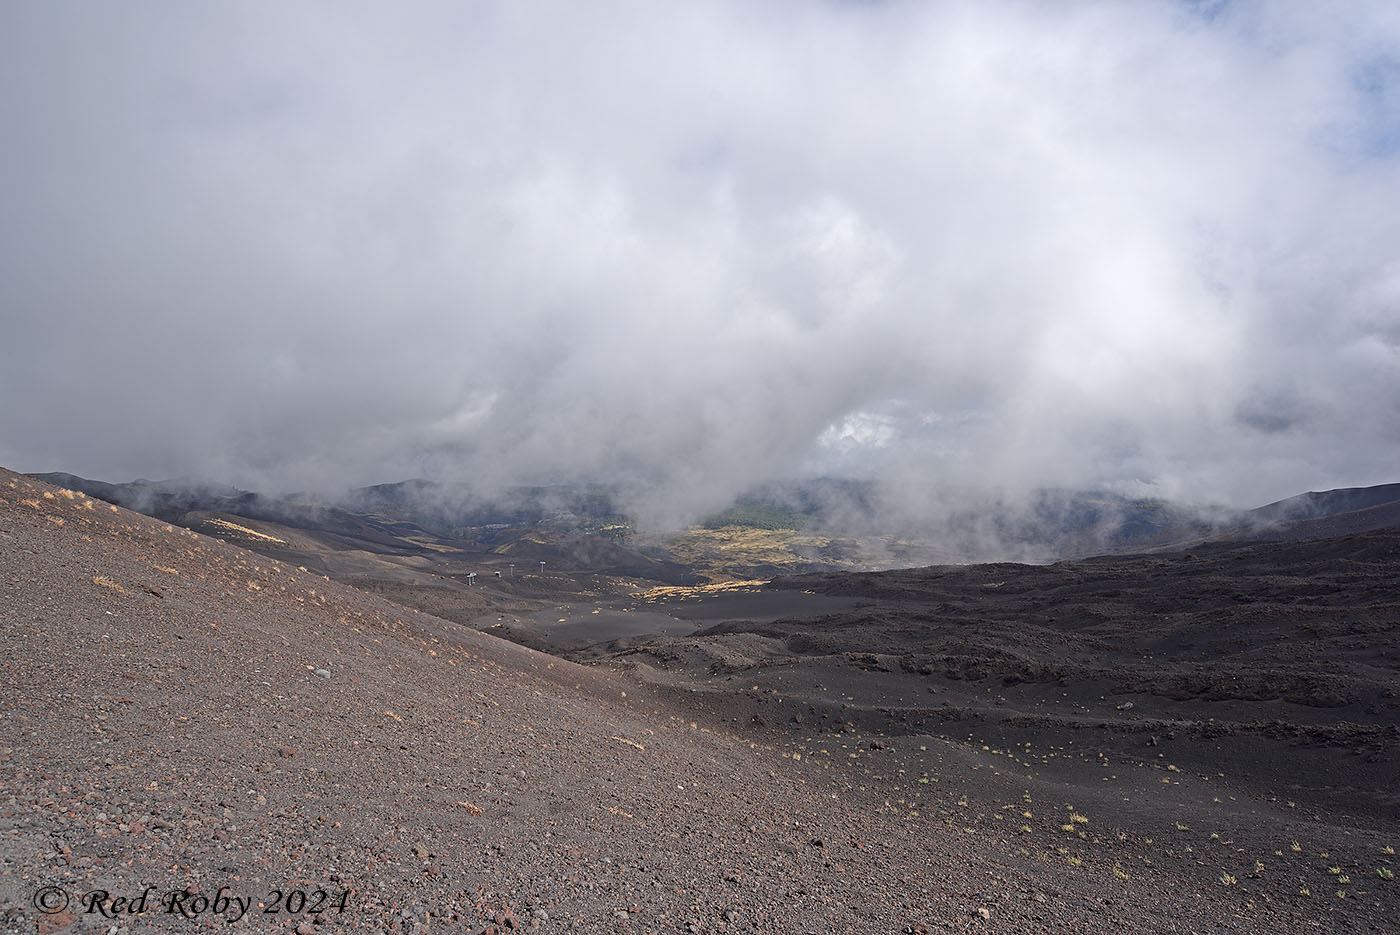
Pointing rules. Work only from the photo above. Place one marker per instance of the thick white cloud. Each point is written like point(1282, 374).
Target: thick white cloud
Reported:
point(688, 248)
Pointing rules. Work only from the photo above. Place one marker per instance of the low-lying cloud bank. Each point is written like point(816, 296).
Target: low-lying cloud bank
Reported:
point(998, 245)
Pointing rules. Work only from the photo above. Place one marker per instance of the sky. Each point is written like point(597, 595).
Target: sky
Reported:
point(684, 249)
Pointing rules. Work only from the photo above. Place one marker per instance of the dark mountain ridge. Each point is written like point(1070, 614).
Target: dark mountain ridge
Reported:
point(420, 517)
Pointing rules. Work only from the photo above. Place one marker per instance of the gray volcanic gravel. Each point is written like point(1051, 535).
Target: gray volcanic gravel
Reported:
point(187, 717)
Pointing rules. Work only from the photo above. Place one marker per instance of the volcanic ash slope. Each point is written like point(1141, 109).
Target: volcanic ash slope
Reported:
point(186, 716)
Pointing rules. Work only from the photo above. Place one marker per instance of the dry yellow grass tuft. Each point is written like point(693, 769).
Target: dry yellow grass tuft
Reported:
point(109, 583)
point(33, 503)
point(240, 530)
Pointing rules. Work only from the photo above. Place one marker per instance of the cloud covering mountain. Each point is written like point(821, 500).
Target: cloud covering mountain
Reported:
point(692, 248)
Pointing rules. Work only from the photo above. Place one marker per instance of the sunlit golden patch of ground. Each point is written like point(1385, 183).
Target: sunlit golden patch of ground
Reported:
point(716, 552)
point(670, 592)
point(426, 543)
point(527, 538)
point(736, 552)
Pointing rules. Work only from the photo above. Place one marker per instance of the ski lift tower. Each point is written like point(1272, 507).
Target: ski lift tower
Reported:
point(471, 579)
point(541, 569)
